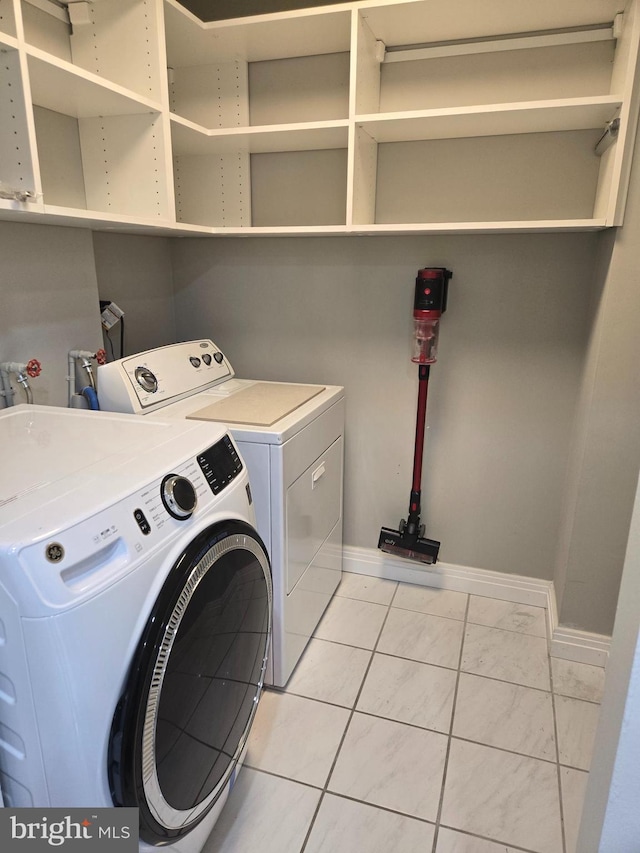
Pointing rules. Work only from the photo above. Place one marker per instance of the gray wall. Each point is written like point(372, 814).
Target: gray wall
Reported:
point(135, 273)
point(48, 302)
point(503, 394)
point(606, 447)
point(532, 451)
point(611, 820)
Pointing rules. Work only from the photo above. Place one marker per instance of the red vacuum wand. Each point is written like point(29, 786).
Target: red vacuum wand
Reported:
point(429, 304)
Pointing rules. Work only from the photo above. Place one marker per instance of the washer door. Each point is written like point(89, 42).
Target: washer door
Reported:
point(194, 683)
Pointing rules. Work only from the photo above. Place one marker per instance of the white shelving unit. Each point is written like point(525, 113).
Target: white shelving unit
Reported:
point(376, 116)
point(95, 124)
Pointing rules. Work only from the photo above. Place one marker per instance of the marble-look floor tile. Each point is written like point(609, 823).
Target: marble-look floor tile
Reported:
point(330, 672)
point(352, 622)
point(296, 737)
point(343, 826)
point(576, 721)
point(522, 618)
point(511, 799)
point(507, 656)
point(578, 680)
point(418, 636)
point(450, 841)
point(437, 602)
point(410, 692)
point(366, 588)
point(573, 784)
point(505, 715)
point(391, 765)
point(263, 813)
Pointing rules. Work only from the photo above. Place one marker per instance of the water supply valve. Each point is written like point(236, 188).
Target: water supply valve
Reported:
point(34, 368)
point(22, 373)
point(86, 394)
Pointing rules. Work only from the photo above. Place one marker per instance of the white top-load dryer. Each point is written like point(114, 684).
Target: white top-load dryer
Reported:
point(135, 606)
point(291, 437)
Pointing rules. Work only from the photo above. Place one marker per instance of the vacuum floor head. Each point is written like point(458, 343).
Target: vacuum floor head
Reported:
point(411, 547)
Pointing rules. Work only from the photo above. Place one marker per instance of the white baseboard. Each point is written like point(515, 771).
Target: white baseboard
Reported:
point(373, 562)
point(568, 643)
point(580, 646)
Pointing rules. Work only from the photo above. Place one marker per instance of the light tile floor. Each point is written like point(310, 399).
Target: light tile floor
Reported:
point(418, 721)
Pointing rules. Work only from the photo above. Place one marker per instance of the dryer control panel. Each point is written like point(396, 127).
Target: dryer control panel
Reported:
point(153, 379)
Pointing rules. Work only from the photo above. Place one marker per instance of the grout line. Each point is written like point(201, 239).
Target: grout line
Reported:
point(385, 809)
point(498, 844)
point(450, 737)
point(376, 806)
point(558, 766)
point(344, 735)
point(280, 776)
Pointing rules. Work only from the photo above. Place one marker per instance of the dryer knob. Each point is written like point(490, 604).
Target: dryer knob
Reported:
point(178, 496)
point(146, 379)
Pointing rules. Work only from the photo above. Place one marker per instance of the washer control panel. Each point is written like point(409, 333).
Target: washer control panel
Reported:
point(220, 464)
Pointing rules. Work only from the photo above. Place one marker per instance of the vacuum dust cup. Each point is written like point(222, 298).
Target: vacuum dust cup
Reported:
point(425, 340)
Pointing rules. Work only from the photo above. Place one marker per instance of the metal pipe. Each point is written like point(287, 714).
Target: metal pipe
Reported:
point(7, 391)
point(22, 379)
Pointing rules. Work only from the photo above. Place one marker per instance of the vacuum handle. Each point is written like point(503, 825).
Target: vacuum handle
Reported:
point(421, 417)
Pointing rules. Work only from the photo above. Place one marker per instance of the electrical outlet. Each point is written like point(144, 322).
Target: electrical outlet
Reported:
point(110, 315)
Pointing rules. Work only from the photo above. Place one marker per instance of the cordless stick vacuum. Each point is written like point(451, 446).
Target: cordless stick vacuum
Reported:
point(429, 304)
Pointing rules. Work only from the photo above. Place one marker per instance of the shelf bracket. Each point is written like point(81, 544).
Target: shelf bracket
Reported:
point(11, 194)
point(611, 130)
point(79, 12)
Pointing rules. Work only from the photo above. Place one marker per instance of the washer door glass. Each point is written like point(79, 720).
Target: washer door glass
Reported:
point(192, 691)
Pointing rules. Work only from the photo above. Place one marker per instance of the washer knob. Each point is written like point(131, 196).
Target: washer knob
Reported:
point(179, 496)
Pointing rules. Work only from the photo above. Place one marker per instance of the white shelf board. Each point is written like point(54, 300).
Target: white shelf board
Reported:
point(97, 221)
point(498, 227)
point(20, 208)
point(283, 231)
point(282, 35)
point(491, 120)
point(503, 227)
point(64, 88)
point(7, 41)
point(191, 139)
point(401, 23)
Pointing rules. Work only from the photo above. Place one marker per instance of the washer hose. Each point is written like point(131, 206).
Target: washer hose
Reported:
point(91, 397)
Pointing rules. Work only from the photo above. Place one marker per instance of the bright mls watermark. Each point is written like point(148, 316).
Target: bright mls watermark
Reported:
point(70, 830)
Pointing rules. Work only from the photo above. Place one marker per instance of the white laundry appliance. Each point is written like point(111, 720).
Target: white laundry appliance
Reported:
point(291, 437)
point(135, 603)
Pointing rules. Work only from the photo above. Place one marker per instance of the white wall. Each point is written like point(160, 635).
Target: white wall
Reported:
point(502, 397)
point(48, 302)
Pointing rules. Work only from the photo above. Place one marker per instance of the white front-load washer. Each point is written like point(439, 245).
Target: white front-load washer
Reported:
point(291, 437)
point(135, 613)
